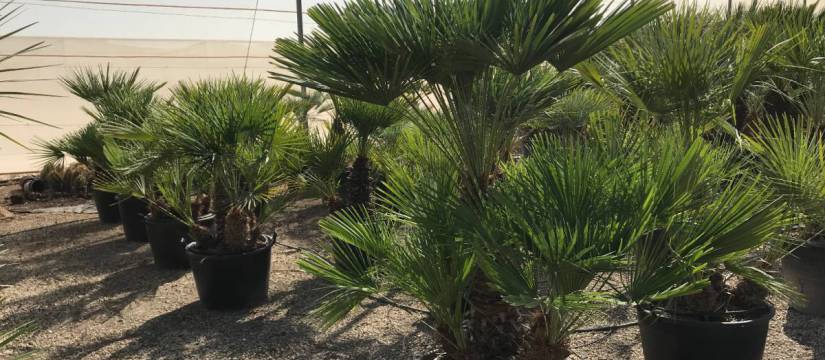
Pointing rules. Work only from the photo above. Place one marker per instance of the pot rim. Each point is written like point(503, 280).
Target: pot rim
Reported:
point(151, 219)
point(191, 249)
point(815, 242)
point(664, 315)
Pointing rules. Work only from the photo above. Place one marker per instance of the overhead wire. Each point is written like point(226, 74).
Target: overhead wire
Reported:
point(197, 7)
point(104, 9)
point(249, 42)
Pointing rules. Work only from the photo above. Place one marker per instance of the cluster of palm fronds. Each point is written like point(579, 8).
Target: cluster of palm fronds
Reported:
point(629, 190)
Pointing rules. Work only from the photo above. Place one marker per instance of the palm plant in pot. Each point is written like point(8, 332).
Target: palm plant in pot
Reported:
point(697, 275)
point(788, 151)
point(474, 68)
point(117, 98)
point(240, 137)
point(162, 186)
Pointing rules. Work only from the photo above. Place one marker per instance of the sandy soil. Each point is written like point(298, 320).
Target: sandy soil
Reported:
point(97, 296)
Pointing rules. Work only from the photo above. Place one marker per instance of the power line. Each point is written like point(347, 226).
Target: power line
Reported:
point(251, 31)
point(145, 12)
point(137, 56)
point(169, 6)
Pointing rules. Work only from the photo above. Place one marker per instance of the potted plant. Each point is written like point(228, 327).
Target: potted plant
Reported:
point(697, 275)
point(788, 151)
point(86, 147)
point(117, 98)
point(241, 139)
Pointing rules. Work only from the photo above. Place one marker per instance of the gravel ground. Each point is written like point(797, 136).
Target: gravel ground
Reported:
point(97, 296)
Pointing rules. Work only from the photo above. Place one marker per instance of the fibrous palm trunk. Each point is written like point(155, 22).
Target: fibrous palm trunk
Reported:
point(359, 182)
point(537, 345)
point(358, 187)
point(493, 325)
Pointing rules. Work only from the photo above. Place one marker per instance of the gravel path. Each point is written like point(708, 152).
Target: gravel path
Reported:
point(97, 296)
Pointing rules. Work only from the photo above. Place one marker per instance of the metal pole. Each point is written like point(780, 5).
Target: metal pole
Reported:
point(300, 13)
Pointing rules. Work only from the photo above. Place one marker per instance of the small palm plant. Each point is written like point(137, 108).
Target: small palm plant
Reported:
point(408, 243)
point(707, 216)
point(326, 166)
point(693, 65)
point(116, 98)
point(242, 138)
point(789, 152)
point(553, 231)
point(365, 120)
point(647, 219)
point(799, 66)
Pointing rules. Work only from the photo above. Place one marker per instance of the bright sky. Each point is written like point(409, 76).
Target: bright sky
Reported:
point(67, 19)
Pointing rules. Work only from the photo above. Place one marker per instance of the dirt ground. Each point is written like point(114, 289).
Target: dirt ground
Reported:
point(96, 296)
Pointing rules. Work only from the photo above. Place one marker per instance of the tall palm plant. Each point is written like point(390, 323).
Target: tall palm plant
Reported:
point(476, 59)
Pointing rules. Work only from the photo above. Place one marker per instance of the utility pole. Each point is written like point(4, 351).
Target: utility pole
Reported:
point(300, 13)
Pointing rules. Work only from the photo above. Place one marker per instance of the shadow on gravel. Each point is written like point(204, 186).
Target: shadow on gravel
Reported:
point(100, 300)
point(84, 247)
point(807, 330)
point(72, 227)
point(276, 330)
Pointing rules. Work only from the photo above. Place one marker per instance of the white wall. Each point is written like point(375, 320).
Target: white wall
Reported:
point(65, 111)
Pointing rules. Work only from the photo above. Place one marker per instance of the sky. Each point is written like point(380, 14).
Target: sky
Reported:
point(67, 19)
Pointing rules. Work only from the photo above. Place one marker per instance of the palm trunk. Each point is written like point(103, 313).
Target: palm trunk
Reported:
point(360, 184)
point(537, 344)
point(493, 325)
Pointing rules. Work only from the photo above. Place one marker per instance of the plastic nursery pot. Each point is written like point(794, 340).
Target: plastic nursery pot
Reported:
point(231, 281)
point(106, 204)
point(132, 212)
point(168, 239)
point(666, 336)
point(804, 268)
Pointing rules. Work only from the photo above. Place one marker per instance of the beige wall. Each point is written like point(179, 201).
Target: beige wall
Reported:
point(65, 110)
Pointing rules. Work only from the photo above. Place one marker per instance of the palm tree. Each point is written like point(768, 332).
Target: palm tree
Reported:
point(469, 65)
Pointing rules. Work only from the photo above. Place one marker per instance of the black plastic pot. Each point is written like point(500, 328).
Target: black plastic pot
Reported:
point(168, 239)
point(231, 281)
point(804, 268)
point(132, 213)
point(106, 204)
point(669, 337)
